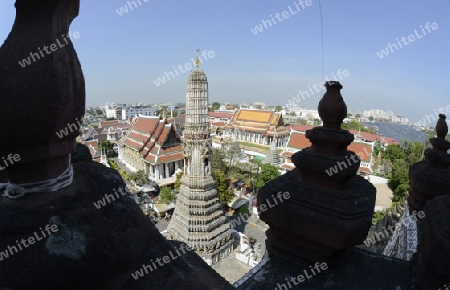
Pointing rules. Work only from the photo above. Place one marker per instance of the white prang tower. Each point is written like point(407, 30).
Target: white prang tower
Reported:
point(199, 219)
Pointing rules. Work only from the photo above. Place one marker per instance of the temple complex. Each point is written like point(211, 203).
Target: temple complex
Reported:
point(199, 219)
point(314, 231)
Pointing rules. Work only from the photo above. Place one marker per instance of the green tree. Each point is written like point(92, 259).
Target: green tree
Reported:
point(355, 125)
point(107, 146)
point(371, 118)
point(268, 172)
point(139, 177)
point(215, 106)
point(233, 153)
point(218, 160)
point(166, 195)
point(393, 152)
point(223, 186)
point(292, 114)
point(278, 108)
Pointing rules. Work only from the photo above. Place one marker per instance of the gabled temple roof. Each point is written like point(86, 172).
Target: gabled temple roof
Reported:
point(259, 121)
point(155, 139)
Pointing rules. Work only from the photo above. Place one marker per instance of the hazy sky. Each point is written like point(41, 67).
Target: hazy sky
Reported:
point(123, 56)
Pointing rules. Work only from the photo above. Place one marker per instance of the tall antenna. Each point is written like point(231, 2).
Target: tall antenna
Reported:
point(321, 26)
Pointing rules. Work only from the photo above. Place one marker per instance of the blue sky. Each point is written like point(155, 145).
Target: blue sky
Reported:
point(122, 56)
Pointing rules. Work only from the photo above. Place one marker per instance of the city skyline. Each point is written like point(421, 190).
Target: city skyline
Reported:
point(122, 55)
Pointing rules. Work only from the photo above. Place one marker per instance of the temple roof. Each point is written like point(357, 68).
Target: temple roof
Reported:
point(259, 121)
point(155, 139)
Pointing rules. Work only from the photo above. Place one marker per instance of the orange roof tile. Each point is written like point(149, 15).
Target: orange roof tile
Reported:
point(364, 151)
point(107, 123)
point(170, 157)
point(298, 140)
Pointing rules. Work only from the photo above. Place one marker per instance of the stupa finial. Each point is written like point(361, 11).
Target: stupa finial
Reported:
point(197, 60)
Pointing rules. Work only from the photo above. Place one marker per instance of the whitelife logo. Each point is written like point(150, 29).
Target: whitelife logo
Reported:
point(318, 267)
point(72, 127)
point(161, 261)
point(124, 9)
point(187, 66)
point(411, 38)
point(243, 217)
point(11, 250)
point(10, 160)
point(284, 15)
point(109, 198)
point(341, 165)
point(35, 56)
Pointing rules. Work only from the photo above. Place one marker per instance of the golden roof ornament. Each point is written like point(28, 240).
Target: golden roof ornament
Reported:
point(197, 60)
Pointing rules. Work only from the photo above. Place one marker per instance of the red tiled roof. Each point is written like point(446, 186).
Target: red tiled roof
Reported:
point(374, 137)
point(146, 125)
point(93, 143)
point(108, 123)
point(170, 157)
point(223, 115)
point(364, 151)
point(298, 140)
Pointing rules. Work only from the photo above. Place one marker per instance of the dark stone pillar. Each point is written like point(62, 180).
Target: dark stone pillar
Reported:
point(431, 178)
point(41, 98)
point(430, 183)
point(327, 212)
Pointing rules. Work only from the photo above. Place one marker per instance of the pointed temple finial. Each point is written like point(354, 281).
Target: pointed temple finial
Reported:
point(197, 60)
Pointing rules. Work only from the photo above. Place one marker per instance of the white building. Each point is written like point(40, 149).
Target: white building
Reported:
point(135, 111)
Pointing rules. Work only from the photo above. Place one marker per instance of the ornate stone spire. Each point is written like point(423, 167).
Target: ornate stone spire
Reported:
point(430, 183)
point(430, 178)
point(198, 219)
point(331, 208)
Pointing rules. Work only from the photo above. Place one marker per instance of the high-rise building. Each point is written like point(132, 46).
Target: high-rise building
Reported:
point(199, 219)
